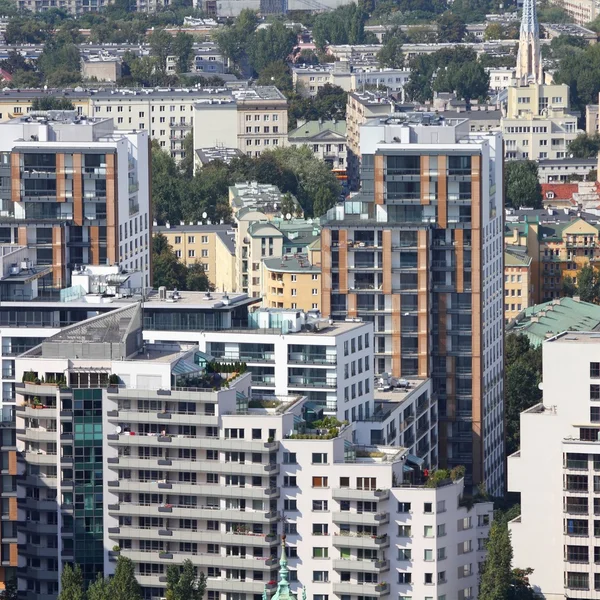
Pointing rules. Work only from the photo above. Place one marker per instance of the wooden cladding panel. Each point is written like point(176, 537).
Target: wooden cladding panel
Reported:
point(396, 338)
point(326, 272)
point(442, 216)
point(387, 261)
point(379, 179)
point(352, 311)
point(112, 210)
point(22, 235)
point(61, 181)
point(476, 318)
point(94, 232)
point(459, 238)
point(425, 179)
point(12, 462)
point(77, 189)
point(58, 256)
point(13, 513)
point(343, 262)
point(15, 177)
point(14, 555)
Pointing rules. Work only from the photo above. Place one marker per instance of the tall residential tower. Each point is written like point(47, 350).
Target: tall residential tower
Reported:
point(419, 253)
point(529, 58)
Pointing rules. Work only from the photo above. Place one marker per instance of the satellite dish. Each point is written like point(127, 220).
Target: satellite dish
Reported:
point(288, 216)
point(118, 429)
point(204, 215)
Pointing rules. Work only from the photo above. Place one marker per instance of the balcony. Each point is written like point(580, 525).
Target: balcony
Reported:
point(360, 540)
point(368, 589)
point(311, 359)
point(354, 494)
point(361, 565)
point(310, 382)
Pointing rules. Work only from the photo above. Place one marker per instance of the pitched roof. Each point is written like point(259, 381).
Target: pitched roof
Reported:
point(516, 256)
point(560, 191)
point(541, 321)
point(311, 129)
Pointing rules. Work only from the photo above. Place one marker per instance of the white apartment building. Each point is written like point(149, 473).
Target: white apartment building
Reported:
point(538, 124)
point(182, 470)
point(557, 532)
point(252, 120)
point(79, 192)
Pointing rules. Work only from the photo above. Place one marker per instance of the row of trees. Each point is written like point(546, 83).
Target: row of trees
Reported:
point(179, 195)
point(182, 583)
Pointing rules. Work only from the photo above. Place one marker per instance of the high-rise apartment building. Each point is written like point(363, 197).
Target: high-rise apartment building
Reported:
point(419, 253)
point(172, 463)
point(557, 532)
point(76, 191)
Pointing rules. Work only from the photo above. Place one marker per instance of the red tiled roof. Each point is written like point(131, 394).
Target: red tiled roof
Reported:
point(562, 191)
point(5, 75)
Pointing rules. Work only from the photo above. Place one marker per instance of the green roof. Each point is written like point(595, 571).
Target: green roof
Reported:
point(541, 321)
point(312, 128)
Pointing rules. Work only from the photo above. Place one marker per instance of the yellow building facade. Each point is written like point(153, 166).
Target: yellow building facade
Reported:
point(518, 290)
point(210, 245)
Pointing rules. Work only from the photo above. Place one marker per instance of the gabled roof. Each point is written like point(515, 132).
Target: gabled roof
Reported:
point(325, 130)
point(559, 191)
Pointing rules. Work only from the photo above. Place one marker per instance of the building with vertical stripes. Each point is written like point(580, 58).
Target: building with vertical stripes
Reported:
point(419, 253)
point(75, 190)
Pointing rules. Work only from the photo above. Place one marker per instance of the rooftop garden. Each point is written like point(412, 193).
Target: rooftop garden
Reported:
point(443, 477)
point(327, 428)
point(215, 376)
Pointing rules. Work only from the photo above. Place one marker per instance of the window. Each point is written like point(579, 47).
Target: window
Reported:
point(404, 554)
point(404, 577)
point(178, 239)
point(428, 555)
point(321, 576)
point(428, 531)
point(403, 507)
point(204, 239)
point(441, 529)
point(441, 554)
point(595, 414)
point(290, 505)
point(315, 291)
point(428, 508)
point(404, 530)
point(191, 253)
point(320, 482)
point(289, 458)
point(204, 253)
point(594, 391)
point(289, 481)
point(320, 505)
point(320, 529)
point(294, 292)
point(320, 552)
point(319, 458)
point(595, 370)
point(191, 239)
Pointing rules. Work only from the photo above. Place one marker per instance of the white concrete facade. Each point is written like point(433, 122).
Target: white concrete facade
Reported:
point(556, 534)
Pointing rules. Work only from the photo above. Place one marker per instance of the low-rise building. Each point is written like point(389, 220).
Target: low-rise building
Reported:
point(101, 68)
point(327, 140)
point(210, 245)
point(501, 77)
point(252, 120)
point(564, 169)
point(291, 282)
point(518, 290)
point(592, 125)
point(538, 123)
point(264, 198)
point(543, 321)
point(204, 156)
point(581, 11)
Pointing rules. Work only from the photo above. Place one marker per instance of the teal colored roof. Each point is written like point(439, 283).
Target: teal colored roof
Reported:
point(311, 129)
point(541, 321)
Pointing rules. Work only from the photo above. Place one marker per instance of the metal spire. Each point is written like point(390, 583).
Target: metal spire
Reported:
point(529, 60)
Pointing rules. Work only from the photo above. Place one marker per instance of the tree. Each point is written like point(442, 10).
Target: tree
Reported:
point(522, 187)
point(307, 57)
point(183, 583)
point(271, 44)
point(495, 577)
point(124, 585)
point(51, 103)
point(278, 74)
point(60, 64)
point(161, 47)
point(15, 62)
point(186, 164)
point(71, 582)
point(167, 270)
point(391, 55)
point(520, 589)
point(25, 79)
point(10, 591)
point(569, 289)
point(196, 279)
point(588, 284)
point(99, 589)
point(23, 30)
point(451, 28)
point(183, 49)
point(585, 146)
point(523, 369)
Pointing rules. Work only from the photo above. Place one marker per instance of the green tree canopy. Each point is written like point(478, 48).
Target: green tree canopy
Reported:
point(585, 146)
point(580, 70)
point(271, 44)
point(496, 575)
point(588, 284)
point(521, 184)
point(183, 49)
point(71, 583)
point(99, 589)
point(60, 64)
point(451, 28)
point(183, 583)
point(123, 585)
point(51, 103)
point(391, 55)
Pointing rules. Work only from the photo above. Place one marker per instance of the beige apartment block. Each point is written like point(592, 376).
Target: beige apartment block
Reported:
point(518, 289)
point(291, 281)
point(538, 124)
point(360, 107)
point(101, 68)
point(211, 245)
point(592, 126)
point(581, 11)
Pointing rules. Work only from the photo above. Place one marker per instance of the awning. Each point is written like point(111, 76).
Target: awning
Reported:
point(415, 460)
point(407, 469)
point(184, 367)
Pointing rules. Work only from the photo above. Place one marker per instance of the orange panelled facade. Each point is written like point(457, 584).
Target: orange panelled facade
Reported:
point(112, 211)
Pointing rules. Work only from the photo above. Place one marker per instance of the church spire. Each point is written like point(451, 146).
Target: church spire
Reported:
point(529, 59)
